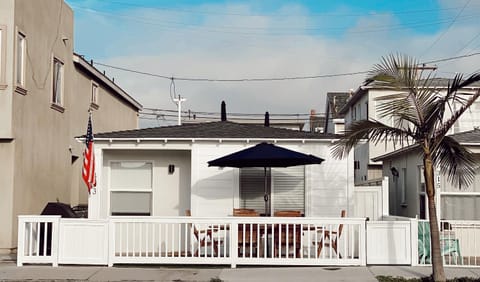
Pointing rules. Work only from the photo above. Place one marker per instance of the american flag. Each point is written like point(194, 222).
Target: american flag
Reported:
point(88, 172)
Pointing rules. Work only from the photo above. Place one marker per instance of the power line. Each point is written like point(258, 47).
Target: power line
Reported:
point(452, 58)
point(198, 79)
point(240, 30)
point(231, 80)
point(445, 31)
point(469, 42)
point(210, 12)
point(230, 117)
point(155, 110)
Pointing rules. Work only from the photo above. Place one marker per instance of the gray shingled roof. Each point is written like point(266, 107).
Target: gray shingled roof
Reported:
point(466, 137)
point(214, 130)
point(472, 136)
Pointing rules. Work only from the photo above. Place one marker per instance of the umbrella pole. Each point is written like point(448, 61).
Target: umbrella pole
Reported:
point(265, 196)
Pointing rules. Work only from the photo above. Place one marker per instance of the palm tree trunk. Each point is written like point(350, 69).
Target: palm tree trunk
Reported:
point(437, 261)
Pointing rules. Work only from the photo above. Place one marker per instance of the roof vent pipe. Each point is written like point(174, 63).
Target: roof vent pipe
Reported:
point(223, 112)
point(267, 119)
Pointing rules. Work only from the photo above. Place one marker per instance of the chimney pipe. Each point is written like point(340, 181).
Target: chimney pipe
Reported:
point(267, 119)
point(223, 112)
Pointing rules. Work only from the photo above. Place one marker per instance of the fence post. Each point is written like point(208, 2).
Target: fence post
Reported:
point(362, 254)
point(414, 240)
point(385, 197)
point(233, 243)
point(55, 240)
point(111, 242)
point(21, 241)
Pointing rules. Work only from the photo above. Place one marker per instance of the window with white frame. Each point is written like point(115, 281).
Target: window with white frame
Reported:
point(422, 196)
point(286, 187)
point(131, 184)
point(57, 84)
point(94, 94)
point(460, 203)
point(20, 60)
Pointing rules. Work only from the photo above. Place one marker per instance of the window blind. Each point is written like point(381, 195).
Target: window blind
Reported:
point(287, 188)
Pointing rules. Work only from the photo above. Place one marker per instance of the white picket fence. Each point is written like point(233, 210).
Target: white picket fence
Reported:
point(459, 242)
point(190, 240)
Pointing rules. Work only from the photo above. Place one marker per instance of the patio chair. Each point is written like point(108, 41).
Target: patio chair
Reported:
point(205, 238)
point(329, 238)
point(289, 235)
point(244, 212)
point(247, 233)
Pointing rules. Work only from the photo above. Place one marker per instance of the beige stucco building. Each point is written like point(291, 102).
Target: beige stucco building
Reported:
point(46, 91)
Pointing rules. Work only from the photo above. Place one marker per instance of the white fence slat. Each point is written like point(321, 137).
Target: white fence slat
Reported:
point(265, 241)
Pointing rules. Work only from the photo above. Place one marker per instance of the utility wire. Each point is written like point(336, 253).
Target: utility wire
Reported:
point(270, 31)
point(452, 58)
point(448, 28)
point(230, 117)
point(469, 42)
point(210, 12)
point(197, 79)
point(230, 80)
point(154, 110)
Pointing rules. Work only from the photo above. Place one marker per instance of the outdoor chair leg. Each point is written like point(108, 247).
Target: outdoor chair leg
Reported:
point(320, 246)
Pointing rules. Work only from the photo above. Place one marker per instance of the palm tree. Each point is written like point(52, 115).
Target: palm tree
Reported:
point(423, 115)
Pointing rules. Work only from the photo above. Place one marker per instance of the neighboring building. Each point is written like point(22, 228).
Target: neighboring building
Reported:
point(334, 119)
point(316, 122)
point(165, 170)
point(45, 93)
point(362, 105)
point(407, 186)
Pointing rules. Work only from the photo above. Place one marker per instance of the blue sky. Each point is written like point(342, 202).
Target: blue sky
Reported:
point(251, 39)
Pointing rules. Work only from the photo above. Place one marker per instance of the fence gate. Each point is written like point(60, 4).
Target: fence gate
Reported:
point(389, 242)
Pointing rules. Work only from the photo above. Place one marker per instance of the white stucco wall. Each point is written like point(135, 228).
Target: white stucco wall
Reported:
point(170, 192)
point(214, 191)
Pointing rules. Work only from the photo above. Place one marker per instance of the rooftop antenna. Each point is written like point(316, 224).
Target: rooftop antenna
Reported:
point(179, 102)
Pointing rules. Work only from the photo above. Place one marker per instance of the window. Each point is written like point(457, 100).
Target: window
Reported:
point(356, 164)
point(460, 203)
point(131, 188)
point(3, 46)
point(286, 187)
point(366, 111)
point(422, 195)
point(57, 85)
point(460, 207)
point(20, 63)
point(94, 95)
point(404, 187)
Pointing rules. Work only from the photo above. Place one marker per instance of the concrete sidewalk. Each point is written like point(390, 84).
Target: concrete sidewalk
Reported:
point(10, 272)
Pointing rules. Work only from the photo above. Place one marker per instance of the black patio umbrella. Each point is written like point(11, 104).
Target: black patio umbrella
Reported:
point(265, 155)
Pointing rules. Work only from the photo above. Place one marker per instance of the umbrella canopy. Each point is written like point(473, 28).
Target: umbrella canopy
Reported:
point(265, 155)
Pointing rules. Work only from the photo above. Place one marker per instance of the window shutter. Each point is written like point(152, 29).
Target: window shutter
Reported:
point(289, 188)
point(252, 187)
point(288, 192)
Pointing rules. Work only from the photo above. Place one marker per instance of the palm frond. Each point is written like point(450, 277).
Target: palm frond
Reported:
point(443, 130)
point(374, 131)
point(394, 71)
point(455, 161)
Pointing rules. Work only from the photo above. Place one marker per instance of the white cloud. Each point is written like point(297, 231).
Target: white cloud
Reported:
point(152, 41)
